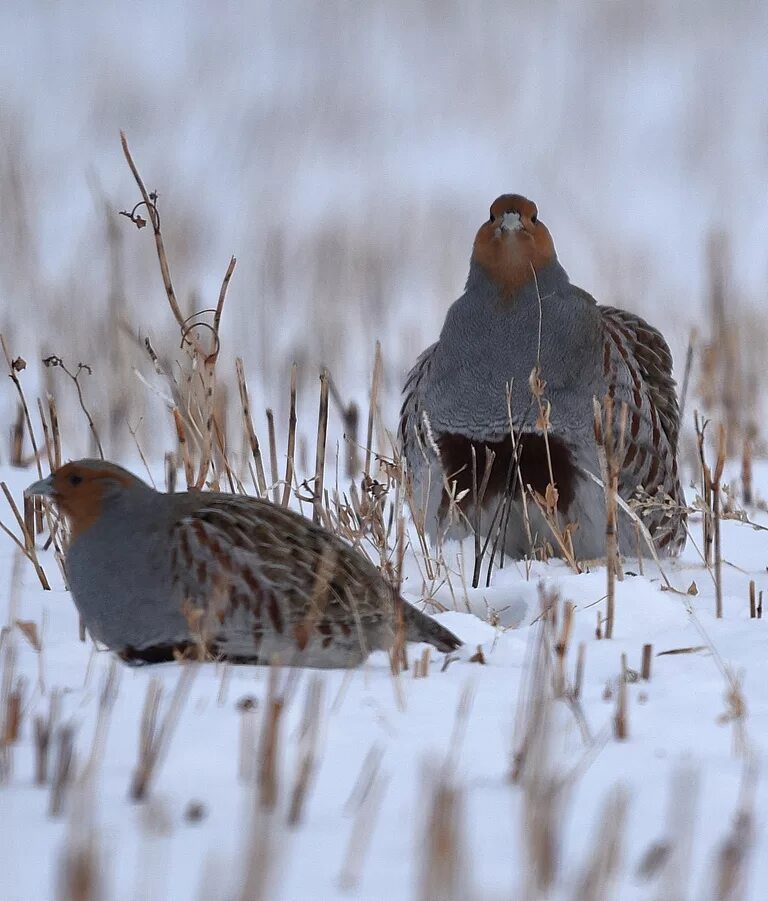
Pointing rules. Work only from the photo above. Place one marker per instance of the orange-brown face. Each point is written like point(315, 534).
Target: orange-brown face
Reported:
point(79, 489)
point(513, 244)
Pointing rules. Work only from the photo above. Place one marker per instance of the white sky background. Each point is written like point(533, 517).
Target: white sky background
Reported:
point(367, 141)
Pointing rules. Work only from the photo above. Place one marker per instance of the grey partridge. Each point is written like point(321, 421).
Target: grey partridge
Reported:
point(521, 357)
point(237, 577)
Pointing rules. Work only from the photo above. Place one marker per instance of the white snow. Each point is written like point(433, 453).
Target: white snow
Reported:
point(677, 723)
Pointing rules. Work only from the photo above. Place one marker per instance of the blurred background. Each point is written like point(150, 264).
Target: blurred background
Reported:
point(346, 154)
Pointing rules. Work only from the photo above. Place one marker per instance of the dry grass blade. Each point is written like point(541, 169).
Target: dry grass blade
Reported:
point(107, 699)
point(706, 490)
point(350, 415)
point(155, 739)
point(260, 856)
point(322, 437)
point(15, 366)
point(533, 768)
point(63, 773)
point(308, 740)
point(620, 726)
point(443, 864)
point(56, 362)
point(11, 696)
point(362, 830)
point(374, 401)
point(253, 441)
point(150, 205)
point(597, 882)
point(269, 747)
point(81, 868)
point(44, 731)
point(610, 456)
point(273, 457)
point(733, 856)
point(670, 857)
point(645, 671)
point(365, 779)
point(290, 456)
point(718, 474)
point(27, 547)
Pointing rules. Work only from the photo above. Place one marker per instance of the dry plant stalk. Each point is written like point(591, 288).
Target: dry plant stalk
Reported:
point(443, 860)
point(11, 694)
point(27, 543)
point(253, 441)
point(620, 728)
point(733, 856)
point(610, 456)
point(561, 649)
point(645, 670)
point(532, 764)
point(670, 857)
point(366, 815)
point(273, 457)
point(725, 387)
point(63, 773)
point(718, 474)
point(398, 653)
point(706, 490)
point(107, 700)
point(81, 868)
point(247, 764)
point(322, 437)
point(478, 496)
point(267, 775)
point(15, 366)
point(350, 415)
point(17, 439)
point(687, 374)
point(372, 408)
point(291, 452)
point(200, 412)
point(44, 731)
point(155, 738)
point(260, 856)
point(752, 600)
point(578, 679)
point(746, 467)
point(598, 879)
point(56, 362)
point(421, 666)
point(308, 741)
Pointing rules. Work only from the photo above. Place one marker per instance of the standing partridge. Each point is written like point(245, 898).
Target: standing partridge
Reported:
point(153, 574)
point(521, 357)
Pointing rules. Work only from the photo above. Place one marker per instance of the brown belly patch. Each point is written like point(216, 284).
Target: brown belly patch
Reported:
point(456, 457)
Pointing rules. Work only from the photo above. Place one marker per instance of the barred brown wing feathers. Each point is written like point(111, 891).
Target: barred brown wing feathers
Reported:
point(637, 367)
point(650, 354)
point(411, 428)
point(268, 556)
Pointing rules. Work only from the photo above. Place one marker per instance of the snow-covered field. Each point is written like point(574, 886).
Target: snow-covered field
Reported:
point(346, 157)
point(685, 784)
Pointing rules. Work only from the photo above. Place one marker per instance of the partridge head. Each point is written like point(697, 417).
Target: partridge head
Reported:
point(514, 244)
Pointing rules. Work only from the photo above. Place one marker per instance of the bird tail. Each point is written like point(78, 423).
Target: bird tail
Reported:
point(420, 627)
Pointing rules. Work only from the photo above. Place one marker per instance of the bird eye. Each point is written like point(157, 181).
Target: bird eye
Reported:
point(75, 479)
point(535, 218)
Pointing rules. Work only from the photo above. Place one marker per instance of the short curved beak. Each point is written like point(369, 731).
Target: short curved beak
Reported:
point(511, 222)
point(43, 487)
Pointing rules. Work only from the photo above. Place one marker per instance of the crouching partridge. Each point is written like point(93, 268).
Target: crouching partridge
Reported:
point(153, 574)
point(472, 393)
